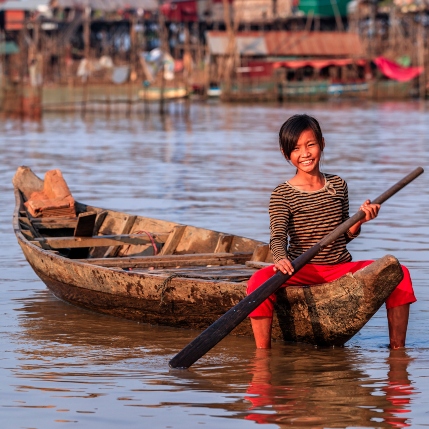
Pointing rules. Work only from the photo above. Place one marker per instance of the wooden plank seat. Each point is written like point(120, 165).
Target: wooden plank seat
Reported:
point(101, 240)
point(86, 219)
point(258, 264)
point(232, 273)
point(197, 259)
point(53, 223)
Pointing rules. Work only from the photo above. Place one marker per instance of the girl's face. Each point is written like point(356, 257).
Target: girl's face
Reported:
point(306, 155)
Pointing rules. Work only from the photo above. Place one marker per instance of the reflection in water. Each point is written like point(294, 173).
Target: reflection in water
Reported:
point(327, 387)
point(47, 321)
point(291, 385)
point(398, 389)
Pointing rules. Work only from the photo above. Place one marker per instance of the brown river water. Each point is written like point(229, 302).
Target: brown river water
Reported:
point(62, 366)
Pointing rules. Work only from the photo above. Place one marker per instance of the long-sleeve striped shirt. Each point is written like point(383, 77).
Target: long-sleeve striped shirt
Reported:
point(300, 219)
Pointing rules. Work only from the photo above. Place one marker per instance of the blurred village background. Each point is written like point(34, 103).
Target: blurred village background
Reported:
point(69, 55)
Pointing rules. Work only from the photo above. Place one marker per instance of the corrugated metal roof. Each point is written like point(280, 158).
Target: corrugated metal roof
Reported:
point(288, 43)
point(304, 43)
point(109, 5)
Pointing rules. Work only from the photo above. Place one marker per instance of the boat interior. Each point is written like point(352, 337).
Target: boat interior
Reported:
point(128, 242)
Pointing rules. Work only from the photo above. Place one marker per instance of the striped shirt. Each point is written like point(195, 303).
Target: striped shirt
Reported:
point(300, 219)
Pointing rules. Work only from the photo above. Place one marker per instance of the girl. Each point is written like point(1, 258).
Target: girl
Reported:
point(302, 211)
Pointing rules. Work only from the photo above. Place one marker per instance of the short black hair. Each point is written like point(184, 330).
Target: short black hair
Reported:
point(291, 130)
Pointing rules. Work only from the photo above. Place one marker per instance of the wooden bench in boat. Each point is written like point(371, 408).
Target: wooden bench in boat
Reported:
point(54, 223)
point(100, 240)
point(229, 273)
point(197, 259)
point(85, 220)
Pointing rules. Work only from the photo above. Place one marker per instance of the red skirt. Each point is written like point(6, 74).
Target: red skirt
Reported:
point(312, 274)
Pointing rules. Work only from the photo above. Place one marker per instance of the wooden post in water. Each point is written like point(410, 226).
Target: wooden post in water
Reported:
point(338, 19)
point(229, 57)
point(86, 41)
point(2, 69)
point(188, 66)
point(132, 76)
point(164, 49)
point(22, 72)
point(421, 60)
point(35, 65)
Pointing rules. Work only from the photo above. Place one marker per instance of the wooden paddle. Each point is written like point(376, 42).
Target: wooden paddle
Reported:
point(233, 317)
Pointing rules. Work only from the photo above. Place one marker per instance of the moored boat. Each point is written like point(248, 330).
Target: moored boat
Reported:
point(162, 272)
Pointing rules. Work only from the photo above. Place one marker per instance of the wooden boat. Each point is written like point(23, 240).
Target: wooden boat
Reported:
point(167, 273)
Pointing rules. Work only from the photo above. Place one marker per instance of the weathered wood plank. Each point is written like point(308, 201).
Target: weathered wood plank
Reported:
point(85, 225)
point(224, 243)
point(25, 222)
point(112, 224)
point(84, 228)
point(234, 273)
point(199, 259)
point(99, 240)
point(126, 228)
point(99, 221)
point(54, 223)
point(260, 253)
point(173, 240)
point(26, 181)
point(27, 234)
point(258, 264)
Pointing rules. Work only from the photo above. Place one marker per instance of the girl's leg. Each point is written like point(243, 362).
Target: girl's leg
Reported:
point(261, 327)
point(262, 317)
point(397, 318)
point(398, 310)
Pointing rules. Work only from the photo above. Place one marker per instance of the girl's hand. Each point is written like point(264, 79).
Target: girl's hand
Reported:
point(285, 266)
point(371, 211)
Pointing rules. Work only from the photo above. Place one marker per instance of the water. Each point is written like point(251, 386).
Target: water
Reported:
point(215, 169)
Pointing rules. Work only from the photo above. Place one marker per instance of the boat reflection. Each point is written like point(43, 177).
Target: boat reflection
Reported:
point(53, 323)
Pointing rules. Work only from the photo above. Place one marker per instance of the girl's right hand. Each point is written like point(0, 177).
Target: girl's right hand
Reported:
point(285, 266)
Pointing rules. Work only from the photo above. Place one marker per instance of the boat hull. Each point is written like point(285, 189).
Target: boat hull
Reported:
point(324, 315)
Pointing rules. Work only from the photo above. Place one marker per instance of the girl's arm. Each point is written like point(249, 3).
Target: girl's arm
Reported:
point(352, 232)
point(371, 212)
point(279, 226)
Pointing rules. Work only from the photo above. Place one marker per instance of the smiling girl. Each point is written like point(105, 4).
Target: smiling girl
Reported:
point(303, 210)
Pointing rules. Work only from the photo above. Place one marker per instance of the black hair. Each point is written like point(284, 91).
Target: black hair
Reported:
point(291, 130)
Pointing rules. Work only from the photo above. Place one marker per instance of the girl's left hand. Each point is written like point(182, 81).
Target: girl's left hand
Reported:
point(371, 210)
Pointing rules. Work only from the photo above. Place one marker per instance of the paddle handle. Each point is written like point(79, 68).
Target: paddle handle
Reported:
point(233, 317)
point(299, 262)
